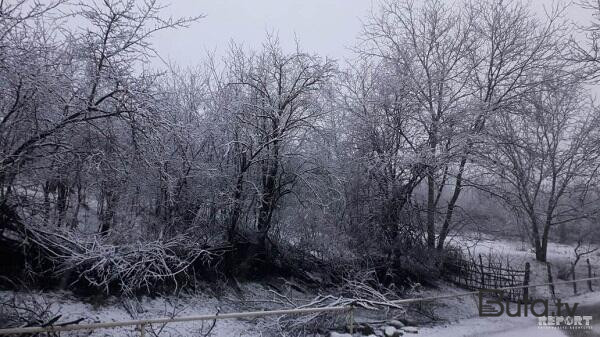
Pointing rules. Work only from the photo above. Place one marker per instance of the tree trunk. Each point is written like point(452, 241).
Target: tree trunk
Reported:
point(430, 208)
point(80, 200)
point(390, 218)
point(46, 215)
point(235, 209)
point(267, 202)
point(431, 203)
point(108, 212)
point(269, 182)
point(452, 204)
point(62, 199)
point(540, 252)
point(543, 247)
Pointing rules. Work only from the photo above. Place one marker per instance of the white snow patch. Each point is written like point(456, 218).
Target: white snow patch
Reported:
point(114, 310)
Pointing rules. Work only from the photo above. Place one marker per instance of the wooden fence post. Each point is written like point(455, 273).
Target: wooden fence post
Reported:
point(589, 282)
point(482, 272)
point(142, 328)
point(526, 282)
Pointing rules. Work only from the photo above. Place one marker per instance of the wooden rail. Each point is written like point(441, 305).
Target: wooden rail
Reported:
point(143, 322)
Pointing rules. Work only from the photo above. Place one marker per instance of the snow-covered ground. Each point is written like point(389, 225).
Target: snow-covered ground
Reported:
point(466, 322)
point(115, 310)
point(512, 326)
point(517, 251)
point(460, 314)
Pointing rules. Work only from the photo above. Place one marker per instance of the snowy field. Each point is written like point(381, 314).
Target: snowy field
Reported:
point(455, 316)
point(518, 252)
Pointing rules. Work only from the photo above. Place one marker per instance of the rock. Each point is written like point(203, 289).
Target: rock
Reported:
point(410, 329)
point(337, 334)
point(379, 333)
point(396, 324)
point(390, 331)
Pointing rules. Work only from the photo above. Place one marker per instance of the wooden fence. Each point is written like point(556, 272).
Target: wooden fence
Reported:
point(476, 273)
point(589, 271)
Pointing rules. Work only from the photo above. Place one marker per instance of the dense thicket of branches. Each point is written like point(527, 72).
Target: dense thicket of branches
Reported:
point(271, 157)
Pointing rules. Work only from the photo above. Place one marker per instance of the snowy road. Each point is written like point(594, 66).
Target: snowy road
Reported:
point(521, 326)
point(592, 309)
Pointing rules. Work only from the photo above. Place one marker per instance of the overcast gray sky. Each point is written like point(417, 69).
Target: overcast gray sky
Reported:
point(326, 27)
point(323, 26)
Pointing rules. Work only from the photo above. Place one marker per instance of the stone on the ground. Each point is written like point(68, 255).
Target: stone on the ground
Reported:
point(379, 333)
point(396, 324)
point(390, 331)
point(410, 329)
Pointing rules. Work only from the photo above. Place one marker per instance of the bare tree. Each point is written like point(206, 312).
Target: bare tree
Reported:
point(57, 81)
point(428, 45)
point(275, 100)
point(512, 49)
point(378, 131)
point(545, 151)
point(585, 46)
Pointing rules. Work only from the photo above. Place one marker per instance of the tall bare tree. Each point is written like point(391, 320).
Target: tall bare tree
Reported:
point(428, 44)
point(276, 99)
point(545, 152)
